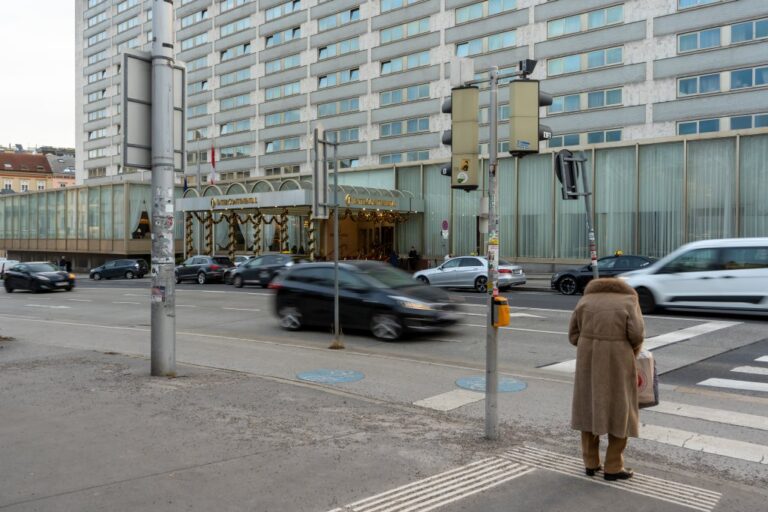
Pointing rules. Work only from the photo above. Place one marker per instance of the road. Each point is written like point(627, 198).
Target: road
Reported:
point(710, 430)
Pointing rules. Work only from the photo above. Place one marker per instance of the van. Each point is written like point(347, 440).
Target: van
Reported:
point(726, 274)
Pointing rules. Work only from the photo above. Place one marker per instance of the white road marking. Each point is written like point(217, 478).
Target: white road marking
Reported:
point(716, 415)
point(708, 444)
point(517, 329)
point(440, 490)
point(665, 490)
point(743, 385)
point(124, 302)
point(659, 341)
point(185, 306)
point(80, 300)
point(45, 306)
point(241, 309)
point(450, 400)
point(762, 359)
point(262, 294)
point(135, 295)
point(755, 370)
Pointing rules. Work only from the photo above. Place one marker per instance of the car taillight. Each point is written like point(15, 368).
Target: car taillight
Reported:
point(215, 267)
point(504, 271)
point(274, 285)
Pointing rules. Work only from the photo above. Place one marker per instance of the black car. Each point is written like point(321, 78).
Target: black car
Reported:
point(373, 296)
point(261, 269)
point(203, 269)
point(37, 277)
point(574, 280)
point(120, 268)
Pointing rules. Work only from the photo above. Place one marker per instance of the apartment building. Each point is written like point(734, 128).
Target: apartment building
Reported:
point(261, 74)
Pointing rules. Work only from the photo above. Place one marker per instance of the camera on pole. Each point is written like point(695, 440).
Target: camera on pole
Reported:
point(463, 137)
point(567, 172)
point(525, 131)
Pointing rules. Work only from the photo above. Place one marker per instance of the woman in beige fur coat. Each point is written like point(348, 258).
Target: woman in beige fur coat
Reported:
point(607, 328)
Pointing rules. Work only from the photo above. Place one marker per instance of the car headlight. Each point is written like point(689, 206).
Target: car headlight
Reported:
point(407, 303)
point(71, 276)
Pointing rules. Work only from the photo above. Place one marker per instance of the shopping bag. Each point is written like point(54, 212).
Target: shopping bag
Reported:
point(647, 380)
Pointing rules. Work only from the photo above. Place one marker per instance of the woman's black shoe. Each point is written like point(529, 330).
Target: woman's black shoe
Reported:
point(592, 471)
point(621, 475)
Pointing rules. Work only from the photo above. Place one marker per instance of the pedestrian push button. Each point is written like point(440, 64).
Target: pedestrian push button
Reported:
point(500, 312)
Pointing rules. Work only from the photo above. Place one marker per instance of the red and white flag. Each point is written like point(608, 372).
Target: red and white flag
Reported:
point(212, 177)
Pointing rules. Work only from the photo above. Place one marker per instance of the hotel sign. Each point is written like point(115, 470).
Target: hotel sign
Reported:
point(350, 200)
point(224, 202)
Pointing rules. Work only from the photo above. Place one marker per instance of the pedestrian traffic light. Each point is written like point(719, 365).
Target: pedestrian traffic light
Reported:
point(567, 172)
point(463, 137)
point(525, 132)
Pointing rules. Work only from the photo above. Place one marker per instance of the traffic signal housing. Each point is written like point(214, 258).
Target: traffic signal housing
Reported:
point(525, 130)
point(567, 172)
point(463, 137)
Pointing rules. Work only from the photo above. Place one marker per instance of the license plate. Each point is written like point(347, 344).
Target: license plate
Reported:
point(63, 283)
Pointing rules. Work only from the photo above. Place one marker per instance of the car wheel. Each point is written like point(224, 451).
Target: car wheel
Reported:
point(386, 326)
point(423, 279)
point(96, 277)
point(290, 318)
point(567, 285)
point(178, 279)
point(238, 281)
point(201, 279)
point(481, 284)
point(647, 301)
point(8, 289)
point(129, 275)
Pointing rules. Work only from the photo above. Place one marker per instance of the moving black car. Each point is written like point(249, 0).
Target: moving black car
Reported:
point(37, 277)
point(574, 280)
point(261, 269)
point(372, 296)
point(120, 268)
point(203, 269)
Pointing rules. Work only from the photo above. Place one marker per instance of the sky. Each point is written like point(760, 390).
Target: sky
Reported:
point(37, 82)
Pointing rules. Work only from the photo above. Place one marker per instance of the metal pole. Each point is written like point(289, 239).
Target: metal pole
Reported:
point(163, 304)
point(590, 227)
point(336, 330)
point(491, 340)
point(198, 235)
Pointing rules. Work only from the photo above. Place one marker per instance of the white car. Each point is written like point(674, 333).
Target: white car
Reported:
point(470, 272)
point(726, 274)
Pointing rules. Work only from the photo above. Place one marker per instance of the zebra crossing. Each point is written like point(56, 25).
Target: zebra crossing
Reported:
point(759, 372)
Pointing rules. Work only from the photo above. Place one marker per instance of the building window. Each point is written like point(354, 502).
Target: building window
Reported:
point(338, 19)
point(227, 5)
point(99, 75)
point(193, 134)
point(486, 44)
point(405, 31)
point(97, 57)
point(747, 122)
point(700, 126)
point(345, 163)
point(606, 98)
point(281, 10)
point(196, 64)
point(391, 5)
point(128, 24)
point(193, 41)
point(97, 38)
point(568, 139)
point(684, 4)
point(193, 18)
point(344, 135)
point(197, 110)
point(197, 87)
point(273, 66)
point(277, 145)
point(235, 26)
point(97, 114)
point(283, 36)
point(698, 85)
point(228, 153)
point(40, 185)
point(340, 48)
point(282, 91)
point(95, 20)
point(603, 136)
point(97, 172)
point(396, 128)
point(591, 60)
point(94, 3)
point(483, 10)
point(24, 186)
point(396, 96)
point(129, 44)
point(338, 107)
point(235, 102)
point(750, 77)
point(235, 51)
point(414, 60)
point(7, 184)
point(391, 158)
point(97, 95)
point(749, 31)
point(97, 134)
point(286, 169)
point(586, 21)
point(285, 117)
point(341, 77)
point(97, 153)
point(700, 40)
point(243, 125)
point(235, 76)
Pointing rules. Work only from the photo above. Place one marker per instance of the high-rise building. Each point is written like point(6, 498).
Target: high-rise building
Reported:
point(262, 73)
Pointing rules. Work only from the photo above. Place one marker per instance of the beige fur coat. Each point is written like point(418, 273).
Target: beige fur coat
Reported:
point(607, 328)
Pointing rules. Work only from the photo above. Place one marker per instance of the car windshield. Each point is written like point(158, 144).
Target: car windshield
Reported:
point(223, 260)
point(505, 263)
point(385, 276)
point(42, 267)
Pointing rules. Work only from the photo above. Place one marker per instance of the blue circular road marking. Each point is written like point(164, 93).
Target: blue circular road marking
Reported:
point(326, 376)
point(506, 384)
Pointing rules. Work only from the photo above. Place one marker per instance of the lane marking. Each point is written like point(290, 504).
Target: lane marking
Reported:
point(665, 490)
point(754, 370)
point(134, 294)
point(714, 415)
point(450, 400)
point(743, 385)
point(707, 444)
point(80, 300)
point(124, 302)
point(516, 329)
point(241, 309)
point(442, 489)
point(45, 306)
point(655, 342)
point(762, 359)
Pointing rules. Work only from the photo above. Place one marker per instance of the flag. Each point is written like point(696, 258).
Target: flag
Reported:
point(212, 177)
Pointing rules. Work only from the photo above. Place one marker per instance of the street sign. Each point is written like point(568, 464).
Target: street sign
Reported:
point(137, 111)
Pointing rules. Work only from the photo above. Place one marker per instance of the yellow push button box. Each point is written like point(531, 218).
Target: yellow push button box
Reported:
point(500, 312)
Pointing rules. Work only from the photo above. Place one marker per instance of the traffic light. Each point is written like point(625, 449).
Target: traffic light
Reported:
point(463, 137)
point(525, 132)
point(567, 172)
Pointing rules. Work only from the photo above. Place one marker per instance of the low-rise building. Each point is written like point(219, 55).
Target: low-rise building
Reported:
point(24, 172)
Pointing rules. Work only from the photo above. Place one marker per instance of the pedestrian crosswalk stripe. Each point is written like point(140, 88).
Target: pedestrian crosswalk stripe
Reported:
point(762, 359)
point(744, 385)
point(707, 444)
point(450, 400)
point(715, 415)
point(755, 370)
point(672, 492)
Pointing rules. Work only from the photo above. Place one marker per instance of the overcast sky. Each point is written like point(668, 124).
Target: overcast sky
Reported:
point(37, 82)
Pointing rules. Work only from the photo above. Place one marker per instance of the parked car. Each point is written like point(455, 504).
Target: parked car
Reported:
point(203, 269)
point(120, 268)
point(37, 277)
point(470, 272)
point(726, 274)
point(261, 269)
point(239, 260)
point(5, 265)
point(372, 296)
point(574, 280)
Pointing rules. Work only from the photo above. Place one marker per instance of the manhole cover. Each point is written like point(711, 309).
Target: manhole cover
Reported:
point(506, 384)
point(325, 376)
